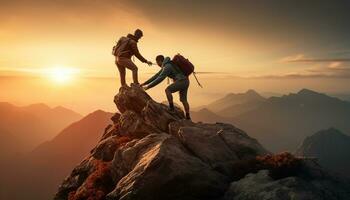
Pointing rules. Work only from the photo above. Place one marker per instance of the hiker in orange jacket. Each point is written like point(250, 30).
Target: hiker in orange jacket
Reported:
point(123, 51)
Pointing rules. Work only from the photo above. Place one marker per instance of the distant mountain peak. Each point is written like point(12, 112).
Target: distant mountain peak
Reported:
point(307, 92)
point(248, 94)
point(205, 110)
point(38, 106)
point(332, 149)
point(330, 132)
point(251, 91)
point(60, 108)
point(96, 113)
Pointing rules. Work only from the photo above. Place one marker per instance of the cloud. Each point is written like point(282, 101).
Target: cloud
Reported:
point(301, 58)
point(314, 60)
point(303, 76)
point(334, 65)
point(292, 58)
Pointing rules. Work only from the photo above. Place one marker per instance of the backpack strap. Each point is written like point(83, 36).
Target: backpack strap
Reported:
point(200, 85)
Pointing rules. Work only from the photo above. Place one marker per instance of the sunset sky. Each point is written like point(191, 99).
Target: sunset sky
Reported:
point(59, 52)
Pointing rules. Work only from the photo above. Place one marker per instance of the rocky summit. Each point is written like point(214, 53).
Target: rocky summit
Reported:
point(150, 153)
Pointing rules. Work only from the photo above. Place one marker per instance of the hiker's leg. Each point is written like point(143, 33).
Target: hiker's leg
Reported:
point(183, 98)
point(187, 109)
point(169, 96)
point(127, 63)
point(135, 76)
point(130, 65)
point(121, 70)
point(174, 87)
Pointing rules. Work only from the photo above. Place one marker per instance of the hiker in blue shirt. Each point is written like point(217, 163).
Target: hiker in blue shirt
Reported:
point(180, 82)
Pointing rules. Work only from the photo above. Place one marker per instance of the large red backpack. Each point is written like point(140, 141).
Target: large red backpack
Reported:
point(185, 66)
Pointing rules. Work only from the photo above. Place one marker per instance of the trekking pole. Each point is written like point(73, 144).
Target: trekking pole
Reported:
point(200, 85)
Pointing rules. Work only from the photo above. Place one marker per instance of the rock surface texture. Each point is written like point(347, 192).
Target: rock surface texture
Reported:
point(150, 153)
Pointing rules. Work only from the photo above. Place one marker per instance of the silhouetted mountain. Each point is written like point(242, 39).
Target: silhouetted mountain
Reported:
point(281, 123)
point(34, 124)
point(239, 109)
point(343, 96)
point(227, 104)
point(271, 94)
point(205, 115)
point(8, 145)
point(52, 160)
point(332, 149)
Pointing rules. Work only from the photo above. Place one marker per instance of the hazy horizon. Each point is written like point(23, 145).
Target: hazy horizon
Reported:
point(98, 93)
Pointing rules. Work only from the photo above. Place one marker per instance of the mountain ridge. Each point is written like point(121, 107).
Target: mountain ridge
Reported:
point(57, 155)
point(34, 123)
point(331, 147)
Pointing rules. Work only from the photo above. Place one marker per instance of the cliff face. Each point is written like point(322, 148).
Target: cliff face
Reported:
point(151, 153)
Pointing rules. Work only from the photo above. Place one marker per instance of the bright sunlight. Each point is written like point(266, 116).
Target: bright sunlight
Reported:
point(61, 75)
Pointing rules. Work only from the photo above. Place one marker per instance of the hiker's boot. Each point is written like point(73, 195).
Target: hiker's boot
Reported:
point(171, 107)
point(188, 117)
point(135, 84)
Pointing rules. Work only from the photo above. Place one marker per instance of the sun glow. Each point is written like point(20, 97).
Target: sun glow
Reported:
point(61, 75)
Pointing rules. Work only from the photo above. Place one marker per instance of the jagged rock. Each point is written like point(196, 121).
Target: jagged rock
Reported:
point(105, 149)
point(131, 98)
point(159, 115)
point(115, 118)
point(161, 168)
point(134, 103)
point(75, 179)
point(215, 143)
point(133, 124)
point(234, 139)
point(150, 153)
point(262, 186)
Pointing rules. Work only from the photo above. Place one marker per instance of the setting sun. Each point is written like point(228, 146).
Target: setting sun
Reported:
point(61, 74)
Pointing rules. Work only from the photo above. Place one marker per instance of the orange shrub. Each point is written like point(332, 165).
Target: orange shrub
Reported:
point(281, 165)
point(98, 184)
point(122, 140)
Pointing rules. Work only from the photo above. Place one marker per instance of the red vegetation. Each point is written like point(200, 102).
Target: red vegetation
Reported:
point(122, 140)
point(279, 166)
point(97, 185)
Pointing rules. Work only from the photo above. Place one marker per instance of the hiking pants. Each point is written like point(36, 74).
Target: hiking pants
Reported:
point(180, 86)
point(123, 63)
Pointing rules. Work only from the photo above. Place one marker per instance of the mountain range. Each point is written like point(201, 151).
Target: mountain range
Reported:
point(331, 148)
point(281, 123)
point(234, 104)
point(38, 173)
point(31, 125)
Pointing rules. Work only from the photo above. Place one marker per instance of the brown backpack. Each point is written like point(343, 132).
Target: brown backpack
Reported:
point(120, 47)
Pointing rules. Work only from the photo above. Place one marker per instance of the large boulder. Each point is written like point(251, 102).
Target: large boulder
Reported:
point(151, 153)
point(159, 167)
point(131, 98)
point(261, 186)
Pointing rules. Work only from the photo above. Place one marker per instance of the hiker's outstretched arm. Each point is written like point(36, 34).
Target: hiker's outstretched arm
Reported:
point(152, 78)
point(136, 52)
point(164, 73)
